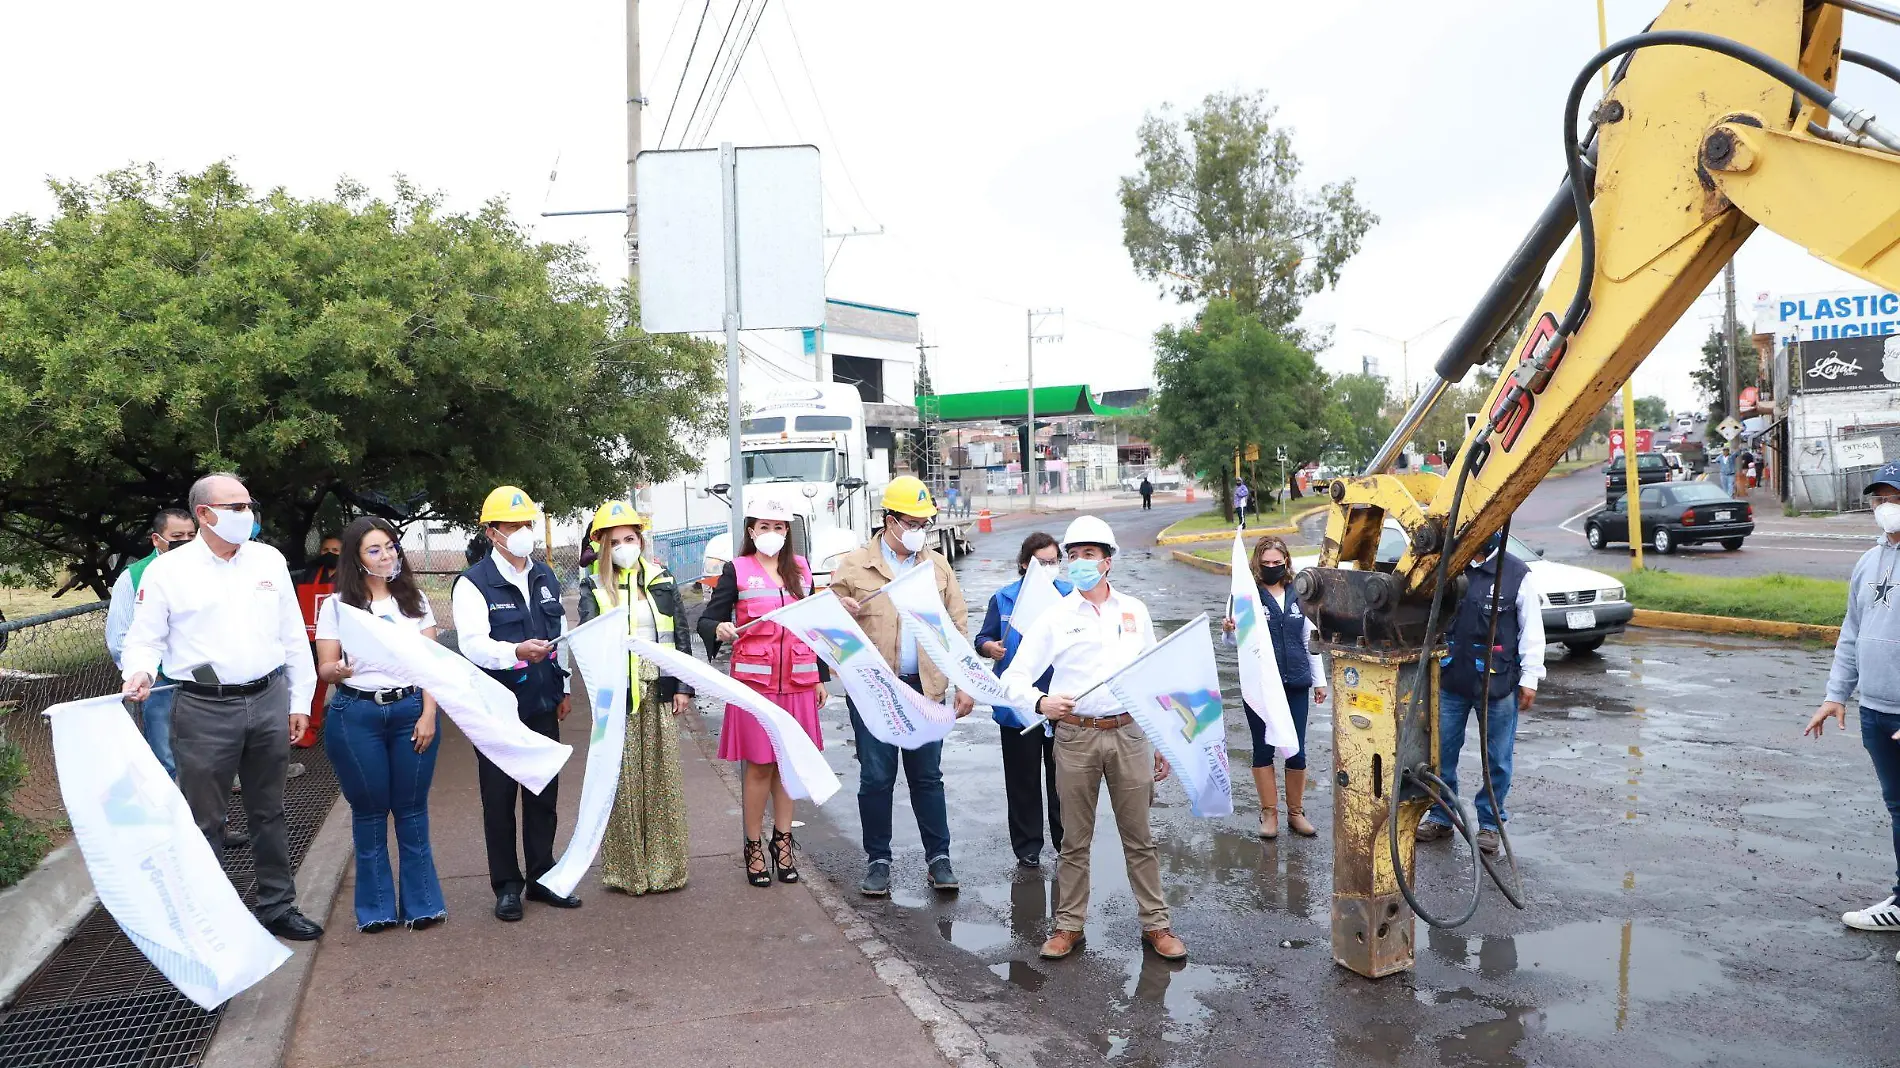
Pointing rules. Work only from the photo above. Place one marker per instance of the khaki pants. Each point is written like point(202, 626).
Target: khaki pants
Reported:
point(1084, 758)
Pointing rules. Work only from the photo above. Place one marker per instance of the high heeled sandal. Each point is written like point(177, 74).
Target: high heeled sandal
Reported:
point(755, 855)
point(782, 859)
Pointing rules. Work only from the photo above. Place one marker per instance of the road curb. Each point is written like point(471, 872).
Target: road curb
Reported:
point(39, 913)
point(956, 1041)
point(254, 1030)
point(1759, 628)
point(1212, 567)
point(1226, 535)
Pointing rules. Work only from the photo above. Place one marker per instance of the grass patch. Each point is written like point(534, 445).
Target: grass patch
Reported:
point(19, 604)
point(1571, 467)
point(1784, 598)
point(1213, 522)
point(1225, 553)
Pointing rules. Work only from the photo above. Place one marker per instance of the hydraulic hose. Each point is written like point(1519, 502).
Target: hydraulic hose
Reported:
point(1873, 63)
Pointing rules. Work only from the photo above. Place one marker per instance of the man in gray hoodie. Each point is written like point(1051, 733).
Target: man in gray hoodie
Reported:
point(1868, 656)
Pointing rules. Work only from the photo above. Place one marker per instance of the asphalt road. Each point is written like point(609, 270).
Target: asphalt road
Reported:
point(1685, 851)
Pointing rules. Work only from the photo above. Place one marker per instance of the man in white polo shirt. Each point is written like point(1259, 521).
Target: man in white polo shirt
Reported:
point(1094, 632)
point(222, 607)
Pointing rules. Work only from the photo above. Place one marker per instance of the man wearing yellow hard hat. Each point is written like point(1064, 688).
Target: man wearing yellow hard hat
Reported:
point(898, 547)
point(507, 609)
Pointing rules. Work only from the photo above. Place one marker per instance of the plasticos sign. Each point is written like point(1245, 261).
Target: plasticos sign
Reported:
point(1841, 364)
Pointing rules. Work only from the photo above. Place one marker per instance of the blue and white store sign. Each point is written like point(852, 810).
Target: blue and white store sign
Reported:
point(1825, 316)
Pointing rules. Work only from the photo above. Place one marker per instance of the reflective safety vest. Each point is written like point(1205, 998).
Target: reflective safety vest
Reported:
point(662, 598)
point(767, 657)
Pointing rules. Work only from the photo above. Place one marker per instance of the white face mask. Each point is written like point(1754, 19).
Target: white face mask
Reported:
point(233, 527)
point(913, 541)
point(769, 543)
point(626, 555)
point(1888, 516)
point(521, 542)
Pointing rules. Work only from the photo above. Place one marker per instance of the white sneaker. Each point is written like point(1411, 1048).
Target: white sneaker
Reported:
point(1882, 917)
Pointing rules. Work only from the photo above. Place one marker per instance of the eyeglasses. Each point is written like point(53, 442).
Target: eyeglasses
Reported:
point(910, 524)
point(235, 506)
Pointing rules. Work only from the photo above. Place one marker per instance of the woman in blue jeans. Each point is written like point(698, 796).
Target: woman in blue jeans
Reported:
point(381, 736)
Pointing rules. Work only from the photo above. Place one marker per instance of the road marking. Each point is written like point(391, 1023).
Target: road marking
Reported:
point(1587, 512)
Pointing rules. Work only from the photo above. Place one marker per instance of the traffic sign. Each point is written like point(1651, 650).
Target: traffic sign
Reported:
point(1729, 429)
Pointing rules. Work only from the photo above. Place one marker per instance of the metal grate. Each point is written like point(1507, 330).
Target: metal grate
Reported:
point(98, 1002)
point(1562, 598)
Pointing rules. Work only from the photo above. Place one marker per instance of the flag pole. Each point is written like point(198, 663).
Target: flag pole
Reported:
point(1119, 672)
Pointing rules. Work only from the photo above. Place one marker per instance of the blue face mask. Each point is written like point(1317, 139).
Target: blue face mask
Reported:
point(1085, 575)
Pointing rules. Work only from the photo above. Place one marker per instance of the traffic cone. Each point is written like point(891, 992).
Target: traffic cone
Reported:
point(983, 524)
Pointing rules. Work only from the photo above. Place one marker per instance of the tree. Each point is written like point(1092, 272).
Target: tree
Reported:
point(1504, 346)
point(1217, 211)
point(1711, 376)
point(388, 355)
point(1652, 412)
point(1223, 382)
point(1446, 421)
point(1358, 417)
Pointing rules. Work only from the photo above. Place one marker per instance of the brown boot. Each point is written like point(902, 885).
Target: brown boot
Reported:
point(1061, 944)
point(1165, 944)
point(1296, 820)
point(1269, 815)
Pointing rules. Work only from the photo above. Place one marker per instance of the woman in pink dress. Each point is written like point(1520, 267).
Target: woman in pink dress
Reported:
point(764, 576)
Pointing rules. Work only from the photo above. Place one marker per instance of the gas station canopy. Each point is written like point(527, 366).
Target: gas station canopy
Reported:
point(1051, 401)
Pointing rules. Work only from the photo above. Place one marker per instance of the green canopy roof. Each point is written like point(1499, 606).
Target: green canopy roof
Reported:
point(1051, 401)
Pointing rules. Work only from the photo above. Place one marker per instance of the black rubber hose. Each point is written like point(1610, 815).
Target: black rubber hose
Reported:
point(1580, 189)
point(1515, 897)
point(1873, 63)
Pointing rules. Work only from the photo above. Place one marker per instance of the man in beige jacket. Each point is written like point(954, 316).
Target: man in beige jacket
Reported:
point(897, 548)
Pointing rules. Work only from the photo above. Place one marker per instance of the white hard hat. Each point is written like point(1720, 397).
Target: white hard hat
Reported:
point(1089, 530)
point(768, 506)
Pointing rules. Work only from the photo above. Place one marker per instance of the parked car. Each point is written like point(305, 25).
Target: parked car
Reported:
point(1680, 513)
point(1650, 467)
point(1677, 473)
point(1581, 607)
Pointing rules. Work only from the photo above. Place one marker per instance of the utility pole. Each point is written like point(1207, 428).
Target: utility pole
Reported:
point(1029, 453)
point(1731, 405)
point(635, 104)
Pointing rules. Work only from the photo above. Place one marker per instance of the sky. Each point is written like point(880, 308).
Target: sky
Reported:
point(985, 140)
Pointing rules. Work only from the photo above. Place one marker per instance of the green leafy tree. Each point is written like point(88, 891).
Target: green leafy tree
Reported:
point(383, 354)
point(1224, 381)
point(1446, 421)
point(1711, 374)
point(1652, 412)
point(1359, 418)
point(1218, 210)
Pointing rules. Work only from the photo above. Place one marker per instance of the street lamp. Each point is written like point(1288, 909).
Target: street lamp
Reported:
point(1404, 344)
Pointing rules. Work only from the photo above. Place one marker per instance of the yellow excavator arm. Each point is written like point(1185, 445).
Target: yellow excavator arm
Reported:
point(1721, 117)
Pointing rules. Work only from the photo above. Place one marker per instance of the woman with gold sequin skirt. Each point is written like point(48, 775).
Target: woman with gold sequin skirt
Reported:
point(644, 850)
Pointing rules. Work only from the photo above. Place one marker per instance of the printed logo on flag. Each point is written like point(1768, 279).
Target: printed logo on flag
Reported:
point(842, 644)
point(1246, 618)
point(1198, 709)
point(934, 620)
point(124, 806)
point(603, 703)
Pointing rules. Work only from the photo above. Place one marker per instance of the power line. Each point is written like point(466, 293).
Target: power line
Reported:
point(687, 66)
point(724, 36)
point(749, 26)
point(667, 49)
point(836, 148)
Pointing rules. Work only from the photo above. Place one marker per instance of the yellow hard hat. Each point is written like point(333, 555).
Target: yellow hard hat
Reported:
point(615, 514)
point(508, 504)
point(907, 495)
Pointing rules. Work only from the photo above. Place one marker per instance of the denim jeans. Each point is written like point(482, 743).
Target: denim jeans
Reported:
point(381, 774)
point(155, 721)
point(1876, 733)
point(1454, 710)
point(877, 782)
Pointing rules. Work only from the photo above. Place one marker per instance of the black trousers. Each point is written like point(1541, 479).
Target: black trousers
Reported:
point(1029, 773)
point(1147, 501)
point(537, 817)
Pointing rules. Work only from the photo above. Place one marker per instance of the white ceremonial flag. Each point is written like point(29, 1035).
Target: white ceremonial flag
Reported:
point(154, 871)
point(1038, 595)
point(1173, 691)
point(895, 713)
point(801, 767)
point(484, 709)
point(1259, 667)
point(599, 650)
point(921, 611)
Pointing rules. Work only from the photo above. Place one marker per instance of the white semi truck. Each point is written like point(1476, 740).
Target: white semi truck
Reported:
point(808, 443)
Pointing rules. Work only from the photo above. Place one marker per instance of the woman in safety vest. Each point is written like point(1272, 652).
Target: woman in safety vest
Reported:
point(764, 576)
point(644, 850)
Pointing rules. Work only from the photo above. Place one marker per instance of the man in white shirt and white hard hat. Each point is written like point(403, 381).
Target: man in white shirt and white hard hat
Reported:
point(220, 612)
point(1092, 633)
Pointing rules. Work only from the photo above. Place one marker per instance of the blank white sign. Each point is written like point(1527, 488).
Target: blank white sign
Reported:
point(682, 240)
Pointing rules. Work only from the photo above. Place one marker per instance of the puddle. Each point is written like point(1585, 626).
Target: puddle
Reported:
point(978, 938)
point(1784, 810)
point(1019, 974)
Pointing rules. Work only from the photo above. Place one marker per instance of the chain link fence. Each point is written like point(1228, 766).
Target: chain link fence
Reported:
point(45, 660)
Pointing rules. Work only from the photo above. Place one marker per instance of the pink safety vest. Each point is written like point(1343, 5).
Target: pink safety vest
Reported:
point(767, 657)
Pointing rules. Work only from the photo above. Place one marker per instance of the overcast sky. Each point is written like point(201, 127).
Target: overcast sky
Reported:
point(986, 139)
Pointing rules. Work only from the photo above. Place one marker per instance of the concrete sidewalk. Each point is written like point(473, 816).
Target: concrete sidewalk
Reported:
point(718, 973)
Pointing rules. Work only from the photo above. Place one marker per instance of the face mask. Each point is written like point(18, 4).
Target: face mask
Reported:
point(1273, 574)
point(913, 541)
point(233, 527)
point(327, 560)
point(769, 544)
point(1888, 516)
point(625, 556)
point(395, 569)
point(521, 542)
point(1085, 575)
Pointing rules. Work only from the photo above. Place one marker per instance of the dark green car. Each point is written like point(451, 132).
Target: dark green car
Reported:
point(1675, 513)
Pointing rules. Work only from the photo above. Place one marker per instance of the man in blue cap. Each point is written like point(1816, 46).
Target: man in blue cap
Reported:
point(1865, 658)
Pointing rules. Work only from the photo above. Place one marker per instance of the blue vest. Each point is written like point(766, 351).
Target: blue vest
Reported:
point(1287, 626)
point(1462, 669)
point(538, 688)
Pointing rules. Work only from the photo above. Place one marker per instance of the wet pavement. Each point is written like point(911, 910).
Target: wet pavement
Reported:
point(1685, 852)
